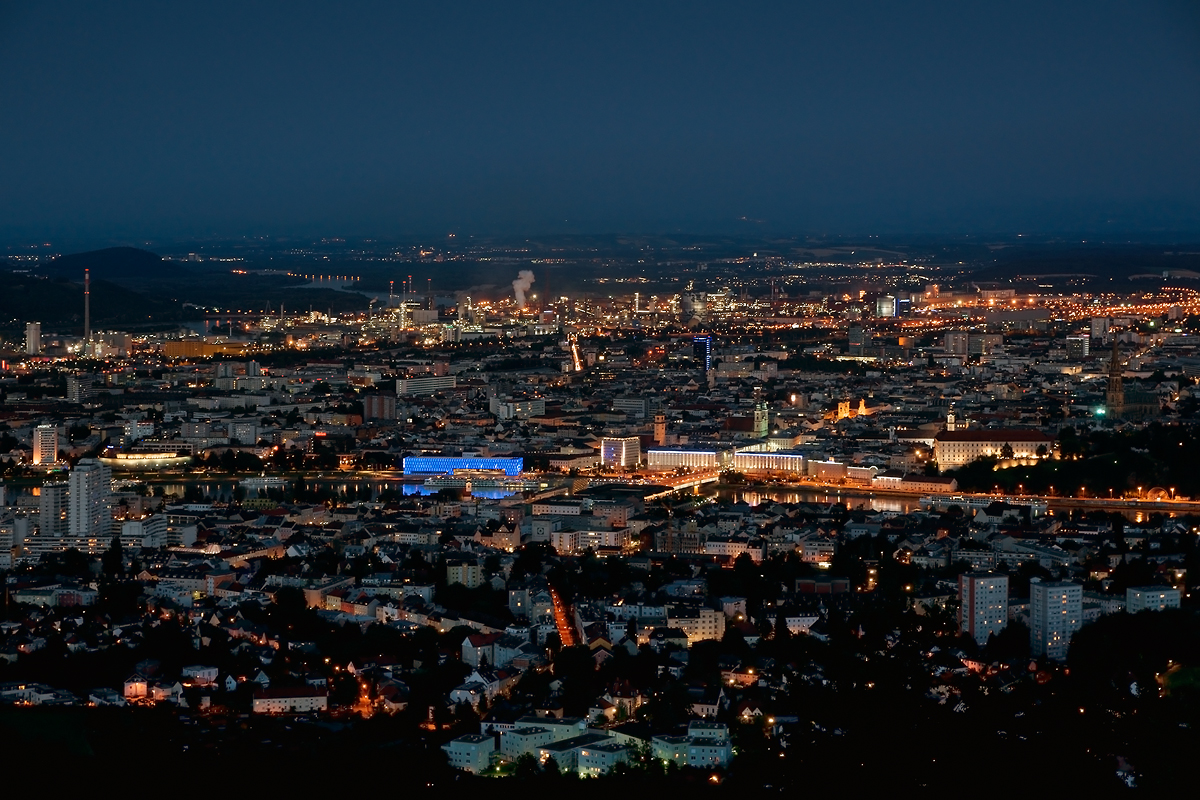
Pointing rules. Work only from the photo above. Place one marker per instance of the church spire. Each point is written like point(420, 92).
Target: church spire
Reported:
point(1114, 398)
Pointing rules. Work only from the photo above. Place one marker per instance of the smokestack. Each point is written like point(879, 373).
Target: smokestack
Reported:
point(521, 285)
point(87, 305)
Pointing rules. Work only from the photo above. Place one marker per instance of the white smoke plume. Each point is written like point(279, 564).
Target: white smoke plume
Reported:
point(521, 285)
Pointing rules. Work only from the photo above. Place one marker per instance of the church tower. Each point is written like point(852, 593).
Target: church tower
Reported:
point(1114, 397)
point(762, 415)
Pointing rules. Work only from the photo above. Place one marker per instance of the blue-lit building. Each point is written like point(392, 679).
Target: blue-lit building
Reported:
point(446, 465)
point(702, 347)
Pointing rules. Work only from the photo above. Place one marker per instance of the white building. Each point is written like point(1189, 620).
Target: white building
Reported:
point(199, 675)
point(89, 514)
point(1055, 614)
point(624, 452)
point(983, 604)
point(564, 542)
point(1150, 598)
point(953, 449)
point(699, 624)
point(45, 444)
point(431, 385)
point(472, 752)
point(508, 408)
point(291, 700)
point(598, 759)
point(516, 743)
point(146, 533)
point(777, 461)
point(557, 507)
point(659, 458)
point(33, 338)
point(138, 429)
point(708, 744)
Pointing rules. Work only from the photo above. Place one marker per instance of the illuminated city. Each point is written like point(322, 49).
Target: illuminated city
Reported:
point(600, 398)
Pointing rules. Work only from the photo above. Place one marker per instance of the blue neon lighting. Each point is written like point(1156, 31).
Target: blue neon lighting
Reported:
point(445, 465)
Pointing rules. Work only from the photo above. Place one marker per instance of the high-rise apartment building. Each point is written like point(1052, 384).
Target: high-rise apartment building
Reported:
point(983, 604)
point(702, 351)
point(79, 388)
point(89, 514)
point(52, 509)
point(33, 338)
point(1055, 613)
point(379, 406)
point(45, 444)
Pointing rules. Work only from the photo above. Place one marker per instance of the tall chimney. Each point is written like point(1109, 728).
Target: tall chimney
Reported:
point(87, 307)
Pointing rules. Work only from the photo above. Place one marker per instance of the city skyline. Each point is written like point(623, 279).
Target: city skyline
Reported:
point(586, 398)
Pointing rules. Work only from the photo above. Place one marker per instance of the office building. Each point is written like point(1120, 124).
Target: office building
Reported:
point(1150, 598)
point(624, 452)
point(33, 338)
point(52, 509)
point(430, 385)
point(637, 407)
point(45, 444)
point(670, 458)
point(956, 342)
point(1079, 347)
point(89, 515)
point(79, 388)
point(983, 604)
point(702, 351)
point(858, 339)
point(1055, 613)
point(448, 465)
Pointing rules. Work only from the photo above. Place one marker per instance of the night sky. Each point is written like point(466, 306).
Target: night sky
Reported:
point(132, 120)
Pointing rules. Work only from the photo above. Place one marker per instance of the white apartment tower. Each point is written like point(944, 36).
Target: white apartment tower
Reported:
point(90, 496)
point(33, 338)
point(983, 604)
point(1055, 613)
point(45, 444)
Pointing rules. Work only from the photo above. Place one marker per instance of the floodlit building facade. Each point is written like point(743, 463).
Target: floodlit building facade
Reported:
point(624, 452)
point(45, 444)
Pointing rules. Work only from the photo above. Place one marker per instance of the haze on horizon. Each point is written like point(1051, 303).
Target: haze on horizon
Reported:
point(141, 120)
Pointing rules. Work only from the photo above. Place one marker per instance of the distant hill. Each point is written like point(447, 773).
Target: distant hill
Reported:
point(121, 265)
point(1106, 261)
point(58, 303)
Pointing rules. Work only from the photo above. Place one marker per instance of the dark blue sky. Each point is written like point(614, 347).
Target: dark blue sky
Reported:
point(135, 120)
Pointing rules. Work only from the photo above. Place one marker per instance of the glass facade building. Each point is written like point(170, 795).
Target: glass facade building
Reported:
point(446, 465)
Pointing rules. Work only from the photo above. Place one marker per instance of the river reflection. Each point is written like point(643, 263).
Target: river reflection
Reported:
point(757, 496)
